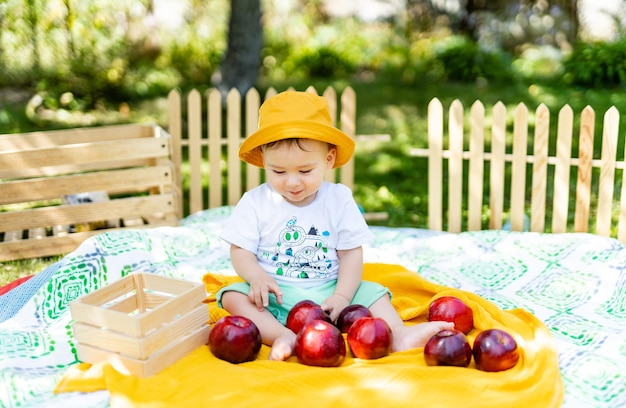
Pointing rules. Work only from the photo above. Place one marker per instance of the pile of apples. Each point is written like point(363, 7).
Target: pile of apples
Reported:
point(493, 350)
point(321, 343)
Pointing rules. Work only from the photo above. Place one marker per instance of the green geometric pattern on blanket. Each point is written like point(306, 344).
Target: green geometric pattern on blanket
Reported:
point(497, 274)
point(557, 288)
point(575, 283)
point(26, 344)
point(596, 377)
point(81, 275)
point(550, 251)
point(578, 330)
point(129, 241)
point(503, 302)
point(24, 386)
point(616, 306)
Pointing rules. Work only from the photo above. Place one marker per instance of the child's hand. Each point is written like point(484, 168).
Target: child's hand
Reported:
point(334, 305)
point(260, 288)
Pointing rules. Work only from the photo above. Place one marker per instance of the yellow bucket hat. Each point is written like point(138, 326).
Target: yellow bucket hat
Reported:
point(291, 115)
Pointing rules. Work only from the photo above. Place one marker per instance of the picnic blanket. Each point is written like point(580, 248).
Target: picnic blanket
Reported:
point(400, 379)
point(575, 284)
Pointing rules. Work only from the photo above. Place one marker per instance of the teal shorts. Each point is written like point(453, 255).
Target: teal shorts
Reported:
point(366, 295)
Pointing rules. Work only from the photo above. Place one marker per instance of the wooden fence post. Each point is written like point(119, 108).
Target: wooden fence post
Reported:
point(560, 203)
point(435, 164)
point(476, 167)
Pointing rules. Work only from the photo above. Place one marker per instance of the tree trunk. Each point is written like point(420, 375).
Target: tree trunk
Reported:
point(466, 25)
point(242, 61)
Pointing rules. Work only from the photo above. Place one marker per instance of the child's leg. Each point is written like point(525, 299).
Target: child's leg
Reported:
point(405, 337)
point(274, 334)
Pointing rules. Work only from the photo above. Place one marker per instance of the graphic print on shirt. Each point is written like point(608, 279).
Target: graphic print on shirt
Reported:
point(301, 254)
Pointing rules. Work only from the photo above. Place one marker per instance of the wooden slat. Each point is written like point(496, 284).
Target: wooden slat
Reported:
point(233, 134)
point(560, 203)
point(331, 97)
point(139, 289)
point(51, 171)
point(158, 206)
point(127, 305)
point(540, 160)
point(113, 182)
point(621, 223)
point(152, 300)
point(144, 347)
point(131, 149)
point(175, 129)
point(167, 311)
point(498, 149)
point(508, 158)
point(435, 164)
point(53, 138)
point(87, 308)
point(518, 170)
point(194, 113)
point(253, 103)
point(53, 165)
point(540, 170)
point(165, 284)
point(214, 118)
point(347, 122)
point(455, 167)
point(607, 172)
point(165, 357)
point(476, 167)
point(271, 91)
point(583, 181)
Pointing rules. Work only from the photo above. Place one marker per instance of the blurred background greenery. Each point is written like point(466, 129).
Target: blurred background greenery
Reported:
point(68, 63)
point(87, 62)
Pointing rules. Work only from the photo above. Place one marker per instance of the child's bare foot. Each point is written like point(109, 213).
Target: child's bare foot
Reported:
point(283, 347)
point(408, 337)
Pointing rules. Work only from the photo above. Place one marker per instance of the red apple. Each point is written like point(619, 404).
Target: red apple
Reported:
point(351, 314)
point(321, 344)
point(452, 309)
point(448, 348)
point(370, 338)
point(302, 313)
point(495, 350)
point(235, 339)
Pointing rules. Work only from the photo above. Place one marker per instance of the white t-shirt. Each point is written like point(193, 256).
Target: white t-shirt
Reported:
point(298, 245)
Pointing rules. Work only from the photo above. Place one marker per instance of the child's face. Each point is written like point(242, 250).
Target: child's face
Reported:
point(296, 170)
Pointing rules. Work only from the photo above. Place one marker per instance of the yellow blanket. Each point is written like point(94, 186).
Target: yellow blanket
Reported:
point(400, 379)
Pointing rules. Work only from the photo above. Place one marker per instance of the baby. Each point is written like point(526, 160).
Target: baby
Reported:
point(299, 237)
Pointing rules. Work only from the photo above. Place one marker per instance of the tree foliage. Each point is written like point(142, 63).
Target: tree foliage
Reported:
point(103, 52)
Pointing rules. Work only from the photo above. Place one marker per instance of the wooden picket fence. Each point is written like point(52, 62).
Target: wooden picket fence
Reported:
point(135, 176)
point(212, 130)
point(595, 179)
point(479, 165)
point(149, 174)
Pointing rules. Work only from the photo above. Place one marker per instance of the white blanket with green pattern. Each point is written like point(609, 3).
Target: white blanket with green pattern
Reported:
point(575, 283)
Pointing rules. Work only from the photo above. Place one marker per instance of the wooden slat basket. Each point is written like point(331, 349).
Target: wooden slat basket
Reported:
point(58, 188)
point(141, 323)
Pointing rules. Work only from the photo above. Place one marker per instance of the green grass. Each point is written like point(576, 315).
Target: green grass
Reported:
point(12, 270)
point(386, 176)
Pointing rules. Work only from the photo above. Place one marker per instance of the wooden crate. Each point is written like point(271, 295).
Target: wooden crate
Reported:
point(129, 166)
point(142, 323)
